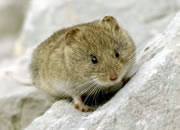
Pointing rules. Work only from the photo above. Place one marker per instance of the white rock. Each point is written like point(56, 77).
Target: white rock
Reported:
point(20, 103)
point(150, 101)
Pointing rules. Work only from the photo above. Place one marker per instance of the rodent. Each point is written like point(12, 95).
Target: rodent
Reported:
point(80, 59)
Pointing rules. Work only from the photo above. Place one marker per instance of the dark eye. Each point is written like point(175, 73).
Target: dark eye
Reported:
point(94, 59)
point(116, 54)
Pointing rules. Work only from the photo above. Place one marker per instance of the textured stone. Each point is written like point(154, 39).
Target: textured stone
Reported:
point(150, 100)
point(20, 103)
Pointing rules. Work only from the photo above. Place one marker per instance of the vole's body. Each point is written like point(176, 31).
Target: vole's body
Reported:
point(83, 58)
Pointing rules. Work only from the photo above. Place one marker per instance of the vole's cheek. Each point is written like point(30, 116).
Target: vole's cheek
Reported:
point(103, 78)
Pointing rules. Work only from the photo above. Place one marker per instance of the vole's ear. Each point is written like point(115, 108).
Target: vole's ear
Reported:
point(71, 34)
point(111, 23)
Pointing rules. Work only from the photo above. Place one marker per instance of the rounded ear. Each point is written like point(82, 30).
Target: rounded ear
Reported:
point(71, 33)
point(110, 22)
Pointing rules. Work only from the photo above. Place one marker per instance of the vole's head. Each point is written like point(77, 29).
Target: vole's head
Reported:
point(100, 52)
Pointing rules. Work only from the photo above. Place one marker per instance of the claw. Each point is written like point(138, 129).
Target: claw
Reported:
point(78, 104)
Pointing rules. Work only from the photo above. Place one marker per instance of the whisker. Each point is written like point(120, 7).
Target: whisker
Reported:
point(89, 83)
point(92, 90)
point(86, 90)
point(103, 94)
point(95, 95)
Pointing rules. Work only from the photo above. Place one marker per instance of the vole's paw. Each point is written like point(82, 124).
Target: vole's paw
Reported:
point(83, 108)
point(79, 104)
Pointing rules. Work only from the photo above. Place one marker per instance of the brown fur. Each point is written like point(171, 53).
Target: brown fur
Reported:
point(66, 57)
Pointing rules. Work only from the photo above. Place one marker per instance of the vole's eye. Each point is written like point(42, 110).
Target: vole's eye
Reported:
point(94, 59)
point(116, 54)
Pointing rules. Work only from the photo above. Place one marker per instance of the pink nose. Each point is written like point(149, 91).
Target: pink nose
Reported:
point(113, 77)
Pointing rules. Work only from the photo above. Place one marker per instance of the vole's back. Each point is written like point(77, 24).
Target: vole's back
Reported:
point(40, 58)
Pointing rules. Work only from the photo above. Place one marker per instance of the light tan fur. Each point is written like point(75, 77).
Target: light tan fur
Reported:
point(62, 65)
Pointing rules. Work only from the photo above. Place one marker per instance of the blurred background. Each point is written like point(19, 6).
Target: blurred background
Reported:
point(25, 23)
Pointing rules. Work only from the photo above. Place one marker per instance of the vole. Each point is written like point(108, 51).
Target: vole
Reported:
point(82, 59)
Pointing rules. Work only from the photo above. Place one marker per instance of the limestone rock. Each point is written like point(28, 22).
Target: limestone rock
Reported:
point(20, 103)
point(150, 100)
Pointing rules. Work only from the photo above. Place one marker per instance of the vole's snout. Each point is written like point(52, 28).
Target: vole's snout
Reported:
point(113, 76)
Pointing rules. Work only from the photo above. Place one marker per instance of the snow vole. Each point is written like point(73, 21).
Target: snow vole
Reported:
point(82, 59)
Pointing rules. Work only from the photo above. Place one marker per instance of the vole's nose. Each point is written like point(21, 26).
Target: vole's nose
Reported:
point(113, 77)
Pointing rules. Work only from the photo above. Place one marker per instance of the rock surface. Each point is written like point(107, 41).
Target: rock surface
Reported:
point(150, 101)
point(20, 103)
